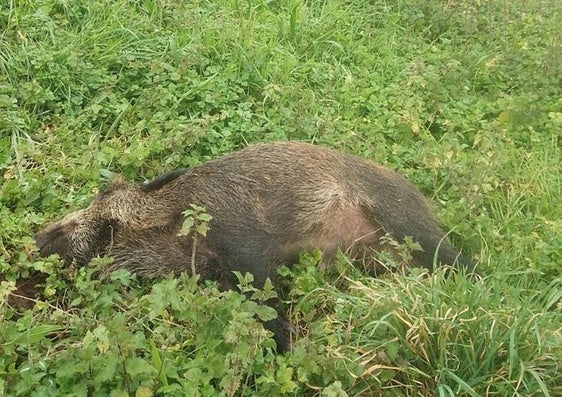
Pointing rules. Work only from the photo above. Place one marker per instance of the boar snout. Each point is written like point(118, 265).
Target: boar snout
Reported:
point(52, 240)
point(75, 237)
point(56, 238)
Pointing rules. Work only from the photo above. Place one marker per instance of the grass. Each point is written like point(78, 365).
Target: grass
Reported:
point(464, 98)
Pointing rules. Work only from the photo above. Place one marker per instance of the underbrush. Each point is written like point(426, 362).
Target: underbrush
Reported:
point(402, 334)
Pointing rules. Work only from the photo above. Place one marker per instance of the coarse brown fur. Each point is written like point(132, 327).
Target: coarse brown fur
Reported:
point(267, 203)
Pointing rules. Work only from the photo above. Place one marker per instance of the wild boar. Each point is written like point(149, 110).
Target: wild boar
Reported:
point(267, 202)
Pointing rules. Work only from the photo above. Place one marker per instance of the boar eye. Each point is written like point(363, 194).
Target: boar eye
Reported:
point(110, 226)
point(107, 230)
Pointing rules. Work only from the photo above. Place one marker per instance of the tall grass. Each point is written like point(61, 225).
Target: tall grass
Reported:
point(437, 336)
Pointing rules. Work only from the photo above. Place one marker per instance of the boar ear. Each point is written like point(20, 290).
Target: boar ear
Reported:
point(118, 180)
point(115, 183)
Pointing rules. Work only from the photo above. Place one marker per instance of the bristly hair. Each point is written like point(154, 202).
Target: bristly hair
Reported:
point(162, 180)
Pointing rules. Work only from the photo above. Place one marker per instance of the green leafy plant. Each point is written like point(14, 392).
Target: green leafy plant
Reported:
point(196, 222)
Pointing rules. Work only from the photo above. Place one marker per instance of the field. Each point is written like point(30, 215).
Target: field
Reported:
point(464, 98)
